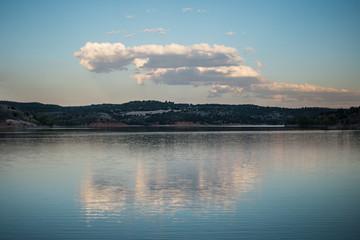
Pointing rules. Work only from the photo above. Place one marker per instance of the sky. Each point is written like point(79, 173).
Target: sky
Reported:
point(268, 53)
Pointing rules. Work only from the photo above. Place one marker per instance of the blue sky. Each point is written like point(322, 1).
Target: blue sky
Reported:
point(277, 53)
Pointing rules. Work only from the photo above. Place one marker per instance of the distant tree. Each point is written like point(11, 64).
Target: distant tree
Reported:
point(326, 121)
point(45, 120)
point(300, 120)
point(3, 113)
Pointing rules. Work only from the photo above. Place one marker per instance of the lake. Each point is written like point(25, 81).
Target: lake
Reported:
point(83, 184)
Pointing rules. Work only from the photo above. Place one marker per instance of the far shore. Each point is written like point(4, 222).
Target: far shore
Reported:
point(175, 127)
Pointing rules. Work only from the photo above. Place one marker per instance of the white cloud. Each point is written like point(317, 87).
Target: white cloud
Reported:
point(250, 49)
point(230, 33)
point(201, 10)
point(187, 9)
point(156, 30)
point(259, 64)
point(106, 57)
point(130, 16)
point(129, 36)
point(219, 67)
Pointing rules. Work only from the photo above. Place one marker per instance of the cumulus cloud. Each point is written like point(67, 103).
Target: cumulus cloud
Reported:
point(218, 90)
point(230, 33)
point(156, 30)
point(218, 67)
point(239, 76)
point(106, 57)
point(187, 9)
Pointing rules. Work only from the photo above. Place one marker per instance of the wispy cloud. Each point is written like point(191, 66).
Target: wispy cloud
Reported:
point(250, 49)
point(115, 32)
point(190, 10)
point(187, 9)
point(259, 64)
point(291, 92)
point(130, 16)
point(218, 67)
point(230, 33)
point(156, 30)
point(129, 36)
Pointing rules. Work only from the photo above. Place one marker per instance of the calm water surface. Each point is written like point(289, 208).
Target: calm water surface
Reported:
point(180, 185)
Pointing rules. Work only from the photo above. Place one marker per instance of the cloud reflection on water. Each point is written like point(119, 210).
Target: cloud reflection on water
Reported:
point(169, 183)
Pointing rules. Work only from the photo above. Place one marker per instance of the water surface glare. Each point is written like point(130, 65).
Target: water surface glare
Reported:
point(180, 185)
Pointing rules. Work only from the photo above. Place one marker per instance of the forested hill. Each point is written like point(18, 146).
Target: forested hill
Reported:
point(163, 113)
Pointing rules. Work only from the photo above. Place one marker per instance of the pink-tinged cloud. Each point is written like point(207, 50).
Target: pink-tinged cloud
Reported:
point(250, 49)
point(291, 87)
point(187, 9)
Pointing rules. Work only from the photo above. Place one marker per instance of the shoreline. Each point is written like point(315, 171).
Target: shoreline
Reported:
point(175, 128)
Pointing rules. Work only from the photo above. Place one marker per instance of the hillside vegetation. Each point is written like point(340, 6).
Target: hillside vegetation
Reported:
point(168, 113)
